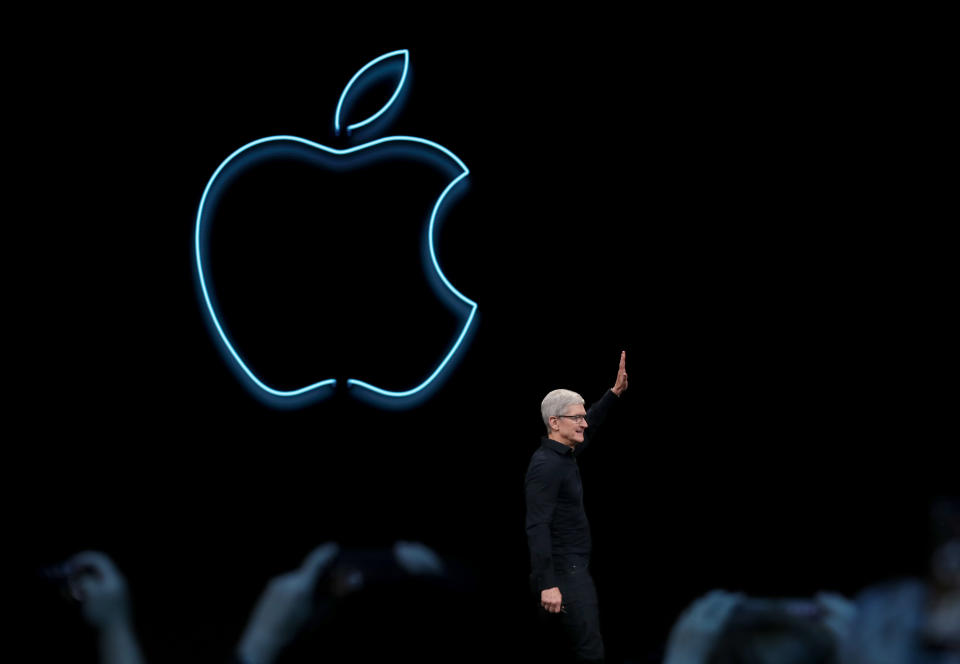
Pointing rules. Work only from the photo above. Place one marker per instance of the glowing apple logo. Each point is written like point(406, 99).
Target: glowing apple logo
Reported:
point(273, 147)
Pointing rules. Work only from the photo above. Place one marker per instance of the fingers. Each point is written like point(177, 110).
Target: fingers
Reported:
point(553, 605)
point(714, 607)
point(835, 602)
point(91, 571)
point(841, 612)
point(81, 587)
point(94, 561)
point(623, 360)
point(551, 600)
point(317, 561)
point(86, 586)
point(417, 558)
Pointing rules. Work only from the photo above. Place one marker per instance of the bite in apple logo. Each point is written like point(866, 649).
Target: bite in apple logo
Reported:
point(296, 148)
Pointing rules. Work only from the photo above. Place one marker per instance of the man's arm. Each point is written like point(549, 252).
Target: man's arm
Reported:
point(598, 411)
point(542, 488)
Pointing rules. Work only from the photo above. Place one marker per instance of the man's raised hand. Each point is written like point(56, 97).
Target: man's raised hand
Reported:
point(621, 383)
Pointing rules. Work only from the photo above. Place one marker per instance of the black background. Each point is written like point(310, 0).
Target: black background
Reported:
point(743, 218)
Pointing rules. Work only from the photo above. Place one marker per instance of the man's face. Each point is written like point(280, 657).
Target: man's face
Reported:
point(568, 428)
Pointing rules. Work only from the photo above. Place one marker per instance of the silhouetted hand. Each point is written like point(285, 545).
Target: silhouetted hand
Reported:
point(101, 589)
point(621, 385)
point(840, 614)
point(417, 559)
point(284, 608)
point(698, 627)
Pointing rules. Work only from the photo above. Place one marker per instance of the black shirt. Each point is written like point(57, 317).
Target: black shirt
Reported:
point(557, 529)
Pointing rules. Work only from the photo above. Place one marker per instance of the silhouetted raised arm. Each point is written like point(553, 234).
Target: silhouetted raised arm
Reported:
point(102, 591)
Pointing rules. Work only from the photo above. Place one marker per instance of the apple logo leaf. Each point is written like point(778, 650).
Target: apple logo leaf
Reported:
point(290, 147)
point(367, 75)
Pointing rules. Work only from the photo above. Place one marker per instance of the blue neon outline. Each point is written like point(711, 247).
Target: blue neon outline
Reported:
point(430, 243)
point(343, 95)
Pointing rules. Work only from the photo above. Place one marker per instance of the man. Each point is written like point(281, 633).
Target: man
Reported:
point(557, 529)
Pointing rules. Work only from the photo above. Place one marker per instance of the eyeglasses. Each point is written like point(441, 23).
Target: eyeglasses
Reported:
point(575, 418)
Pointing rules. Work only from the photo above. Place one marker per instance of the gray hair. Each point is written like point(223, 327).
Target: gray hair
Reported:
point(556, 402)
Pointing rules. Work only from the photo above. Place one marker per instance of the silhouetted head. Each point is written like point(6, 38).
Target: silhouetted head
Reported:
point(945, 535)
point(773, 637)
point(402, 617)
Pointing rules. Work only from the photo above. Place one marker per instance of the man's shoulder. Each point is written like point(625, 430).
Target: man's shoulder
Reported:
point(539, 455)
point(543, 457)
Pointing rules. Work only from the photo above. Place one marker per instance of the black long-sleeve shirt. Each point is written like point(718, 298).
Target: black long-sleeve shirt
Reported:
point(557, 526)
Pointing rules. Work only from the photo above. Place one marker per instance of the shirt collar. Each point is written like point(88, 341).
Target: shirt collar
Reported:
point(559, 448)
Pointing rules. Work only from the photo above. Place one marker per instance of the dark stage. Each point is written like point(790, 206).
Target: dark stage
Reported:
point(692, 204)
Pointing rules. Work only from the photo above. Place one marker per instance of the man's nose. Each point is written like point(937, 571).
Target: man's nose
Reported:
point(585, 425)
